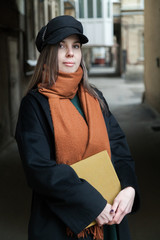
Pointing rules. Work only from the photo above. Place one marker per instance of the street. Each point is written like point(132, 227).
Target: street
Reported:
point(119, 92)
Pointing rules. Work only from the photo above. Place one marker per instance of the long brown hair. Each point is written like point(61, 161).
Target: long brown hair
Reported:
point(49, 57)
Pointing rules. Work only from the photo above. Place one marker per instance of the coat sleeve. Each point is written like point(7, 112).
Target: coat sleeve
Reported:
point(72, 199)
point(121, 156)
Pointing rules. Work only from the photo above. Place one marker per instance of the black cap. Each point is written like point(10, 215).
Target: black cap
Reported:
point(58, 29)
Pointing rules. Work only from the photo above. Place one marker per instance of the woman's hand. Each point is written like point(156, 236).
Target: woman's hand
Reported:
point(105, 216)
point(122, 204)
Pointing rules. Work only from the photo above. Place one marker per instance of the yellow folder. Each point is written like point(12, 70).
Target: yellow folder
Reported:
point(99, 172)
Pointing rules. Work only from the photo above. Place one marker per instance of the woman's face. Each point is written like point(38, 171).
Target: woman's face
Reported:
point(69, 54)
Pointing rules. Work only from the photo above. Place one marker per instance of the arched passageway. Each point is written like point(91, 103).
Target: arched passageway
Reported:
point(140, 123)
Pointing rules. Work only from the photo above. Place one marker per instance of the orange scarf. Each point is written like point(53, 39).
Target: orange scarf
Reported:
point(75, 138)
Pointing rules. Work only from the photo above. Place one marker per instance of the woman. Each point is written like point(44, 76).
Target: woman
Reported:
point(63, 120)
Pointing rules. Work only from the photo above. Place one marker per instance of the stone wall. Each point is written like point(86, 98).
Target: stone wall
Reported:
point(152, 53)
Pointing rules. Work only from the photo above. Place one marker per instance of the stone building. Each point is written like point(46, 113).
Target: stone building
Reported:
point(132, 38)
point(128, 47)
point(19, 22)
point(69, 8)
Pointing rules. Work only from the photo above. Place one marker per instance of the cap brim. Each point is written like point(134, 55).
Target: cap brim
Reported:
point(64, 33)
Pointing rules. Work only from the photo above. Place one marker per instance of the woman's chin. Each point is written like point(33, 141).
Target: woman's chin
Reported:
point(68, 69)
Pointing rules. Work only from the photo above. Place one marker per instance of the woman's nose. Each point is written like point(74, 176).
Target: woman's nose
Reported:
point(69, 52)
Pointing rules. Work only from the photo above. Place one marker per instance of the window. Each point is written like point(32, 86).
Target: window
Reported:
point(99, 8)
point(81, 8)
point(90, 8)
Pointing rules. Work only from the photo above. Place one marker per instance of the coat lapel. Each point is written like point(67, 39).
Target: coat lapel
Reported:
point(43, 102)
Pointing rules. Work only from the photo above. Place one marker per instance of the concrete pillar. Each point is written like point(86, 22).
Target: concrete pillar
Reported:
point(61, 7)
point(53, 5)
point(30, 32)
point(14, 81)
point(46, 11)
point(4, 92)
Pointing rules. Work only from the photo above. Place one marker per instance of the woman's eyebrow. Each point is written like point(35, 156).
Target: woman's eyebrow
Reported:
point(76, 41)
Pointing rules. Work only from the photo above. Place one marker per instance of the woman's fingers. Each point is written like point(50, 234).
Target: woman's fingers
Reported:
point(120, 213)
point(122, 205)
point(105, 216)
point(115, 205)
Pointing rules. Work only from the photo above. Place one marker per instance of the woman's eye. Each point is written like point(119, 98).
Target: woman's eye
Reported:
point(61, 45)
point(76, 46)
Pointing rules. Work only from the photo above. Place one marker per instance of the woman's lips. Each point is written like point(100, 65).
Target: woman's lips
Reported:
point(69, 64)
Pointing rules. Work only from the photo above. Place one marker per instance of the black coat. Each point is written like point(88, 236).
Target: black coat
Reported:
point(60, 198)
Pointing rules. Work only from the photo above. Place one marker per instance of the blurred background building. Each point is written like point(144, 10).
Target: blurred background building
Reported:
point(132, 29)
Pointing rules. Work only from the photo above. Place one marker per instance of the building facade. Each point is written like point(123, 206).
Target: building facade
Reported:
point(19, 22)
point(132, 38)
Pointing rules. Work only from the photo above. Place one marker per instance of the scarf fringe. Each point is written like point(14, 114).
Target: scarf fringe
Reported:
point(95, 230)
